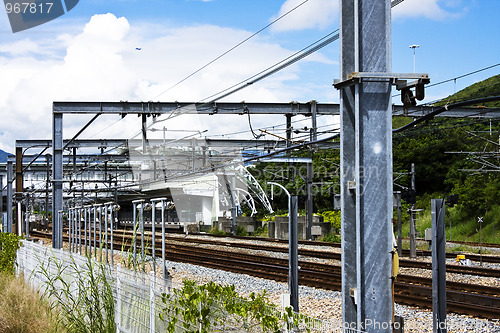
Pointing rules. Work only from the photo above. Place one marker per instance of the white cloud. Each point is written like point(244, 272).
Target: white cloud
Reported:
point(312, 14)
point(432, 9)
point(324, 13)
point(101, 63)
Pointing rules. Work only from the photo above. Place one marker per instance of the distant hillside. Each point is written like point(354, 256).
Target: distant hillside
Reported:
point(3, 156)
point(487, 88)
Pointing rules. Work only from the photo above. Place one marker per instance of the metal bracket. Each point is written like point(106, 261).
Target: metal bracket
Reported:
point(397, 79)
point(351, 185)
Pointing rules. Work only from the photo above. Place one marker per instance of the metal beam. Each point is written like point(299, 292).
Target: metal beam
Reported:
point(57, 179)
point(157, 108)
point(366, 161)
point(10, 180)
point(460, 112)
point(79, 159)
point(85, 143)
point(4, 224)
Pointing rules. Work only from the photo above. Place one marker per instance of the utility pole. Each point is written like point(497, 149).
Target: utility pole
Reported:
point(399, 224)
point(366, 161)
point(414, 47)
point(310, 174)
point(47, 186)
point(293, 244)
point(438, 266)
point(413, 243)
point(19, 189)
point(4, 229)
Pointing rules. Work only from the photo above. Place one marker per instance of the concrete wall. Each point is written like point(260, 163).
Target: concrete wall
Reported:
point(279, 228)
point(250, 223)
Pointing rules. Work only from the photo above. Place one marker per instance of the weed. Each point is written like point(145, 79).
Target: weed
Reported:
point(23, 309)
point(215, 308)
point(215, 231)
point(262, 231)
point(241, 231)
point(330, 238)
point(82, 296)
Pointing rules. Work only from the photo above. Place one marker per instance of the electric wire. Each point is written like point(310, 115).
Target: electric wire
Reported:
point(311, 48)
point(290, 60)
point(231, 49)
point(455, 78)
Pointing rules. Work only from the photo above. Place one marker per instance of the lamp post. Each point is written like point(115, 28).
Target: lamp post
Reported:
point(293, 261)
point(414, 46)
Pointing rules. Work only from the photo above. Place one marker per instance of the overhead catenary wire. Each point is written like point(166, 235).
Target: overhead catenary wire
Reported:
point(311, 48)
point(324, 41)
point(456, 78)
point(290, 60)
point(231, 49)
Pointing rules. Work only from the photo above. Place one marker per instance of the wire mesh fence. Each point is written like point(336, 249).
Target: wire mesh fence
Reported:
point(137, 295)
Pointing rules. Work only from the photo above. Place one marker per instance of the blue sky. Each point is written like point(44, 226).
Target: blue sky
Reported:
point(90, 54)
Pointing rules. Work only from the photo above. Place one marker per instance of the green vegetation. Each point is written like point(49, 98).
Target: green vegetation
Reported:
point(9, 244)
point(83, 298)
point(262, 231)
point(438, 148)
point(333, 217)
point(216, 231)
point(486, 88)
point(241, 231)
point(215, 308)
point(330, 238)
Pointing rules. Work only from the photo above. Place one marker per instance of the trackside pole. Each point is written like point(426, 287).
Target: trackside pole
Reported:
point(366, 164)
point(438, 266)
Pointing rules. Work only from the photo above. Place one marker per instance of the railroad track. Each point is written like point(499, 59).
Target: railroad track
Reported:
point(406, 253)
point(476, 300)
point(459, 269)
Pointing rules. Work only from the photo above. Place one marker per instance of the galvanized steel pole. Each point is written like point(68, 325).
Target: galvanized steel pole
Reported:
point(4, 229)
point(57, 179)
point(366, 163)
point(10, 180)
point(438, 266)
point(293, 263)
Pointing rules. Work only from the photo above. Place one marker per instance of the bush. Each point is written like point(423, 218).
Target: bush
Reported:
point(333, 217)
point(215, 308)
point(262, 231)
point(331, 238)
point(241, 231)
point(9, 244)
point(216, 231)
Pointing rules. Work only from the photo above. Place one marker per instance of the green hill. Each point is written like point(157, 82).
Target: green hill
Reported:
point(487, 88)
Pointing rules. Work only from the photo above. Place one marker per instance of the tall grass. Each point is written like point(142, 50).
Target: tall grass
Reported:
point(23, 310)
point(463, 227)
point(83, 296)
